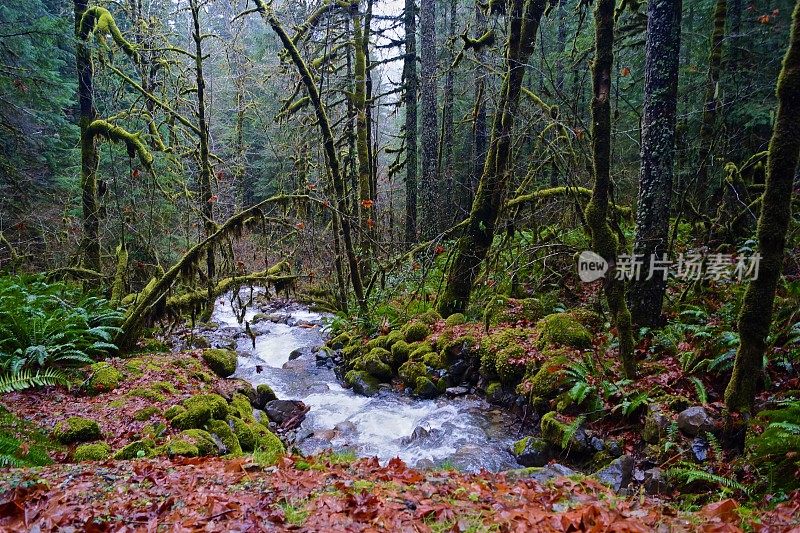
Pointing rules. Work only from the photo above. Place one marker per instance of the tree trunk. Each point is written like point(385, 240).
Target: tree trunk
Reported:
point(561, 44)
point(365, 200)
point(703, 187)
point(430, 131)
point(755, 316)
point(481, 137)
point(446, 156)
point(86, 113)
point(657, 157)
point(604, 241)
point(524, 17)
point(410, 96)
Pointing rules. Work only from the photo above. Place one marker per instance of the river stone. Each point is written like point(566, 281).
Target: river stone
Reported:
point(694, 421)
point(264, 395)
point(279, 411)
point(655, 424)
point(228, 387)
point(617, 474)
point(655, 482)
point(531, 451)
point(546, 473)
point(454, 392)
point(700, 449)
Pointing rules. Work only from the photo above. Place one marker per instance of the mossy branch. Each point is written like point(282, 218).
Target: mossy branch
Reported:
point(200, 297)
point(114, 133)
point(553, 192)
point(99, 21)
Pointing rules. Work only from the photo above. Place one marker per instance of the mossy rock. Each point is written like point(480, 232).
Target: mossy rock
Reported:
point(76, 429)
point(244, 433)
point(96, 451)
point(269, 447)
point(351, 352)
point(495, 392)
point(420, 350)
point(456, 348)
point(548, 380)
point(201, 439)
point(181, 448)
point(531, 451)
point(136, 450)
point(456, 319)
point(145, 413)
point(507, 310)
point(264, 395)
point(510, 364)
point(375, 364)
point(377, 342)
point(775, 448)
point(560, 434)
point(392, 338)
point(151, 345)
point(241, 408)
point(433, 360)
point(174, 411)
point(362, 382)
point(104, 378)
point(587, 318)
point(410, 371)
point(164, 386)
point(222, 362)
point(430, 317)
point(561, 329)
point(223, 431)
point(400, 352)
point(147, 393)
point(425, 388)
point(199, 410)
point(340, 341)
point(416, 331)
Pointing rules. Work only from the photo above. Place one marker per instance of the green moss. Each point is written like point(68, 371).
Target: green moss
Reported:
point(152, 346)
point(265, 394)
point(453, 349)
point(244, 433)
point(420, 351)
point(76, 429)
point(269, 447)
point(547, 381)
point(400, 353)
point(201, 439)
point(145, 413)
point(375, 364)
point(410, 371)
point(425, 388)
point(494, 391)
point(147, 394)
point(775, 448)
point(164, 386)
point(416, 331)
point(556, 432)
point(340, 341)
point(377, 342)
point(433, 360)
point(96, 451)
point(222, 430)
point(222, 362)
point(181, 448)
point(240, 407)
point(393, 338)
point(362, 382)
point(429, 317)
point(509, 310)
point(510, 364)
point(199, 410)
point(456, 319)
point(588, 318)
point(561, 329)
point(174, 411)
point(136, 450)
point(104, 378)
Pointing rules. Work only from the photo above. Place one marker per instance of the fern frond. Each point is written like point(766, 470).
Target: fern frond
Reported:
point(27, 379)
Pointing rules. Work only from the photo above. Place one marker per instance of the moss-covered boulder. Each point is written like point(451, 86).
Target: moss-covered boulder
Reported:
point(377, 342)
point(269, 447)
point(264, 395)
point(393, 337)
point(416, 331)
point(76, 429)
point(433, 360)
point(174, 411)
point(243, 432)
point(223, 431)
point(340, 341)
point(201, 439)
point(775, 448)
point(425, 388)
point(548, 380)
point(410, 371)
point(96, 451)
point(199, 410)
point(456, 319)
point(376, 367)
point(531, 451)
point(241, 408)
point(561, 329)
point(457, 348)
point(137, 449)
point(495, 392)
point(509, 310)
point(222, 362)
point(400, 352)
point(563, 434)
point(181, 448)
point(510, 364)
point(146, 413)
point(362, 382)
point(420, 350)
point(430, 317)
point(104, 378)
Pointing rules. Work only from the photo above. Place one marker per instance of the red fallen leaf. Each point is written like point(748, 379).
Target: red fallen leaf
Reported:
point(370, 223)
point(300, 225)
point(213, 199)
point(311, 186)
point(724, 510)
point(438, 250)
point(416, 266)
point(579, 133)
point(326, 204)
point(135, 173)
point(367, 204)
point(625, 71)
point(763, 19)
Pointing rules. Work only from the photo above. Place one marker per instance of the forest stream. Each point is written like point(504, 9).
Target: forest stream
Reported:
point(464, 432)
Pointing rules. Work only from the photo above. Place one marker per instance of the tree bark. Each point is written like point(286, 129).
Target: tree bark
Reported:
point(657, 156)
point(446, 157)
point(430, 131)
point(410, 97)
point(755, 317)
point(481, 137)
point(524, 17)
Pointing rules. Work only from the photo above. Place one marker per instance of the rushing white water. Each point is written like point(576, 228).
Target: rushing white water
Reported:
point(465, 432)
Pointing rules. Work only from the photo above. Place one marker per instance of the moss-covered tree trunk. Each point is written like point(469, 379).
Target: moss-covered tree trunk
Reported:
point(523, 24)
point(446, 146)
point(755, 316)
point(480, 135)
point(430, 131)
point(410, 100)
point(657, 156)
point(604, 241)
point(86, 113)
point(703, 186)
point(366, 200)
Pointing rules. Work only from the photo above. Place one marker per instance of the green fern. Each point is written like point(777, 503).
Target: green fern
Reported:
point(702, 395)
point(11, 454)
point(689, 473)
point(570, 430)
point(27, 379)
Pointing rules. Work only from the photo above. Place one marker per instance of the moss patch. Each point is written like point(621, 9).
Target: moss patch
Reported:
point(104, 378)
point(96, 451)
point(222, 362)
point(76, 429)
point(136, 450)
point(561, 329)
